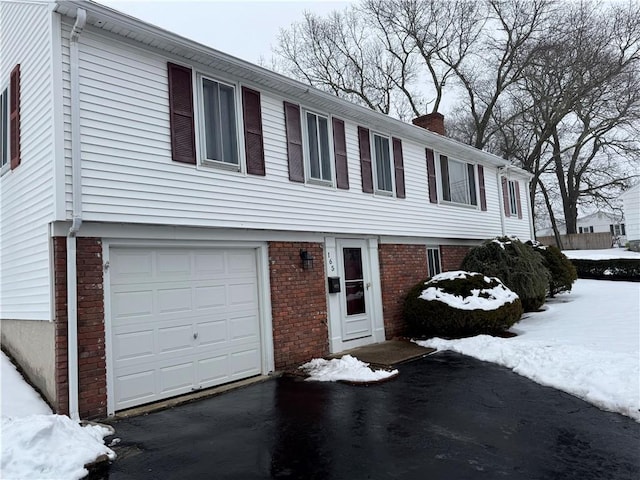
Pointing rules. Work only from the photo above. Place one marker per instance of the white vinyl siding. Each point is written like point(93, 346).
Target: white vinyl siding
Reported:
point(128, 175)
point(26, 193)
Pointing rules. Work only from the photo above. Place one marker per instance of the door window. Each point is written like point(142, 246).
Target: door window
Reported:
point(354, 281)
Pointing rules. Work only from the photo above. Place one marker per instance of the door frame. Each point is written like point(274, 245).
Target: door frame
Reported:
point(334, 300)
point(264, 296)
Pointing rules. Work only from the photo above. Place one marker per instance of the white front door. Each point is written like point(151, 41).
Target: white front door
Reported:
point(355, 296)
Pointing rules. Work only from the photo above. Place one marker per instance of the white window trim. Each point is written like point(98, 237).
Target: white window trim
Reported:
point(440, 182)
point(374, 165)
point(306, 152)
point(6, 167)
point(201, 142)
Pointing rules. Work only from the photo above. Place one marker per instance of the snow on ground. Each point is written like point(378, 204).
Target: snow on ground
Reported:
point(34, 444)
point(347, 368)
point(604, 254)
point(586, 343)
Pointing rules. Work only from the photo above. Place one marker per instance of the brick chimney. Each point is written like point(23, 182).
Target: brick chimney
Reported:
point(431, 121)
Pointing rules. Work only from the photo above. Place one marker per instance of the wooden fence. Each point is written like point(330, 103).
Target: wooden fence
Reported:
point(581, 241)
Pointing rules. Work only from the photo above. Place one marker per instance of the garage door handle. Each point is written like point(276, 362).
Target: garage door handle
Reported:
point(195, 335)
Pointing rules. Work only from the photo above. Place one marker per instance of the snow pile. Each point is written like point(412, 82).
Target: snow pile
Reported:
point(490, 298)
point(18, 399)
point(502, 243)
point(347, 368)
point(586, 344)
point(37, 444)
point(50, 446)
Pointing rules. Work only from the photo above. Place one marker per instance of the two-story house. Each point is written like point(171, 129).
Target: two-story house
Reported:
point(174, 218)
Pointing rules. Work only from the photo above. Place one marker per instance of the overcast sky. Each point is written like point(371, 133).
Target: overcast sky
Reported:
point(245, 29)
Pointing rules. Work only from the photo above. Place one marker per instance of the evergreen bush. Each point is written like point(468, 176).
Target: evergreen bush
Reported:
point(562, 272)
point(518, 266)
point(444, 306)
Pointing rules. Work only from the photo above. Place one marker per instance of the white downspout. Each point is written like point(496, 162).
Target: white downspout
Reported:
point(76, 194)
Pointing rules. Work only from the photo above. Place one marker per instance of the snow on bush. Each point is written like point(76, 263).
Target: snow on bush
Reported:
point(459, 303)
point(347, 368)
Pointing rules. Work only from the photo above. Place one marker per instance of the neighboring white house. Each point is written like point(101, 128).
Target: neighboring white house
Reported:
point(174, 218)
point(631, 208)
point(598, 222)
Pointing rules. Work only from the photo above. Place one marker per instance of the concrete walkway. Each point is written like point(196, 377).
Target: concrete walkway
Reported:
point(446, 416)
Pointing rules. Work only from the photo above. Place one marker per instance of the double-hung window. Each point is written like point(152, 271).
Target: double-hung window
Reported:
point(458, 181)
point(513, 197)
point(4, 130)
point(318, 148)
point(382, 161)
point(433, 259)
point(220, 129)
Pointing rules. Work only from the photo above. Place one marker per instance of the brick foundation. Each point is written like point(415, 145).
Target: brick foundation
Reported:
point(401, 267)
point(299, 304)
point(91, 333)
point(451, 256)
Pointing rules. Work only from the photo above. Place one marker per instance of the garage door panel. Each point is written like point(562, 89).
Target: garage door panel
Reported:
point(182, 319)
point(241, 262)
point(135, 388)
point(133, 345)
point(209, 297)
point(244, 327)
point(209, 265)
point(131, 304)
point(245, 362)
point(174, 300)
point(175, 338)
point(176, 377)
point(211, 333)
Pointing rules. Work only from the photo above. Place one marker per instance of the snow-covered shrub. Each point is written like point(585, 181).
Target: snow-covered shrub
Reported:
point(611, 269)
point(562, 272)
point(455, 304)
point(518, 266)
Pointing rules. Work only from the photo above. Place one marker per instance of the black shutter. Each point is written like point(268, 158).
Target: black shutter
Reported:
point(399, 167)
point(431, 176)
point(483, 194)
point(340, 154)
point(505, 197)
point(365, 160)
point(183, 139)
point(444, 173)
point(14, 117)
point(254, 147)
point(294, 141)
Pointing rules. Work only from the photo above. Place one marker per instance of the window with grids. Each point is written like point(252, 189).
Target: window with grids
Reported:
point(382, 161)
point(513, 197)
point(318, 147)
point(219, 122)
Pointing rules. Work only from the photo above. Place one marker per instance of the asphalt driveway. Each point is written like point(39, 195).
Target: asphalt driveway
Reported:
point(446, 416)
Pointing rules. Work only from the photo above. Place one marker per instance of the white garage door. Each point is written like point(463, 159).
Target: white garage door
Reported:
point(181, 320)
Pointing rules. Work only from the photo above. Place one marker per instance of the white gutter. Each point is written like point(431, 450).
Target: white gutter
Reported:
point(76, 193)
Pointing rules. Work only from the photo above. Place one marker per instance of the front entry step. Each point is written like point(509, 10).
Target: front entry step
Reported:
point(387, 354)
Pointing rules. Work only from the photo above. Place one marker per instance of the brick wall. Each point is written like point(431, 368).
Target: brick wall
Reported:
point(451, 256)
point(299, 303)
point(401, 267)
point(91, 334)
